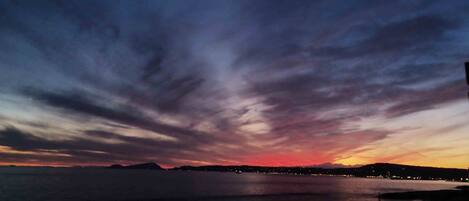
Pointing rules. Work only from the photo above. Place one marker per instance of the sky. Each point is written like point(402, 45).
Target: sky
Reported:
point(272, 83)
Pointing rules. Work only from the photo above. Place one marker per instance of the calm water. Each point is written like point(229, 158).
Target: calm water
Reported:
point(59, 184)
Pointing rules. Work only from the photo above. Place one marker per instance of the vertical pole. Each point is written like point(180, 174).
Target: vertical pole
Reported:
point(467, 72)
point(467, 78)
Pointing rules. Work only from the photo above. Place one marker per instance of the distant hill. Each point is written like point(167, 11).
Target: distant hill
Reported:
point(384, 170)
point(142, 166)
point(408, 171)
point(332, 166)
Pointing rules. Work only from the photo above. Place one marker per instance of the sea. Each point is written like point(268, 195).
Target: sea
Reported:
point(94, 184)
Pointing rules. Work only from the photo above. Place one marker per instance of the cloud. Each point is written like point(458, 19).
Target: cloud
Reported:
point(94, 150)
point(128, 116)
point(252, 78)
point(411, 34)
point(419, 100)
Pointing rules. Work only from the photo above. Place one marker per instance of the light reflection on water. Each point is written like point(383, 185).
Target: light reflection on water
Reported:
point(60, 184)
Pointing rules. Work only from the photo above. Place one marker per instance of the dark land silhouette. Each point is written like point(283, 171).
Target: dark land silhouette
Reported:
point(378, 170)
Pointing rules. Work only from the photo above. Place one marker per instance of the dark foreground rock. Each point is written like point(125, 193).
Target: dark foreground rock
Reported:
point(461, 193)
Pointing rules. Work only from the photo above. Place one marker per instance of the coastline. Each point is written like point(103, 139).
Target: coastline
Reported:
point(460, 193)
point(379, 171)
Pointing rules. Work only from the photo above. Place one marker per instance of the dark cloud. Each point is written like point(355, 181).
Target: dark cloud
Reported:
point(413, 36)
point(88, 150)
point(420, 100)
point(408, 34)
point(128, 116)
point(22, 141)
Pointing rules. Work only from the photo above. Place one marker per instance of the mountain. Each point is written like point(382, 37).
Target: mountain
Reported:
point(142, 166)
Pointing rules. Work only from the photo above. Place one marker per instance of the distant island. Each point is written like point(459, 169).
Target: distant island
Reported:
point(143, 166)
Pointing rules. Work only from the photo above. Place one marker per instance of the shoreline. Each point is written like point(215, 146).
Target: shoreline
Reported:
point(460, 193)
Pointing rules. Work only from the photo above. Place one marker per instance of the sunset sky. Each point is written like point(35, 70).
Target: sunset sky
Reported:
point(277, 83)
